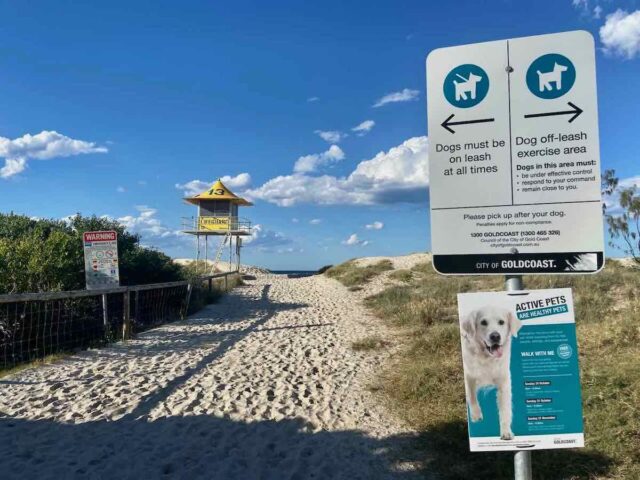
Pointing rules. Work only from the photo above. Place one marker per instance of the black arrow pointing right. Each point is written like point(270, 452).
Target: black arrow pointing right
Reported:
point(576, 111)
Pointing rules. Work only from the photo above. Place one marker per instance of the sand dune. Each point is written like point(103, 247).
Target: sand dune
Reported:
point(261, 385)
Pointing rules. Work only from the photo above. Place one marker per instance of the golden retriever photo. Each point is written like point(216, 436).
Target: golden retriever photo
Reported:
point(486, 353)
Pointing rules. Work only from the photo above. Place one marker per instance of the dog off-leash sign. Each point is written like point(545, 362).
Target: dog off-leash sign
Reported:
point(101, 259)
point(521, 372)
point(514, 157)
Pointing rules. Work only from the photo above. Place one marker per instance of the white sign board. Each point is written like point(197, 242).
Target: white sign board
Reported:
point(522, 379)
point(514, 157)
point(101, 259)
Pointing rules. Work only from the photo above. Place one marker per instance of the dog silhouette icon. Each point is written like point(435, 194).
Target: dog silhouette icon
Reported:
point(468, 85)
point(545, 79)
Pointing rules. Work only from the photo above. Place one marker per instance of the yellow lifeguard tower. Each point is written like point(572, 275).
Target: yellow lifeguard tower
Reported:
point(218, 216)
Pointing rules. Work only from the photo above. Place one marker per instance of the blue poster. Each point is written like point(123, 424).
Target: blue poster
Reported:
point(521, 374)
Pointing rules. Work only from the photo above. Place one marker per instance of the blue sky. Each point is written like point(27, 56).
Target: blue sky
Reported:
point(118, 108)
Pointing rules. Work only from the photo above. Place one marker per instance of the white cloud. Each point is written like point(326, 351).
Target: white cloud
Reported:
point(405, 95)
point(310, 163)
point(146, 223)
point(581, 4)
point(121, 189)
point(142, 182)
point(153, 232)
point(375, 226)
point(315, 221)
point(239, 182)
point(354, 240)
point(295, 220)
point(193, 187)
point(620, 34)
point(42, 146)
point(312, 99)
point(265, 240)
point(364, 127)
point(597, 12)
point(331, 136)
point(585, 8)
point(289, 250)
point(399, 175)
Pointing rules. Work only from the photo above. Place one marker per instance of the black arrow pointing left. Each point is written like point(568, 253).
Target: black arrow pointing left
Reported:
point(447, 123)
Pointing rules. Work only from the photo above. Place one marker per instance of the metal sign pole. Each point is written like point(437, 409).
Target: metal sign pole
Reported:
point(522, 459)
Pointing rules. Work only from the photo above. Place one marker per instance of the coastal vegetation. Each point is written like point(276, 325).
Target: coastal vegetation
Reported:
point(40, 255)
point(374, 342)
point(351, 274)
point(424, 384)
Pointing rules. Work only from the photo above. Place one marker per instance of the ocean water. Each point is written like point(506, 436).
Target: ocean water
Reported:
point(295, 273)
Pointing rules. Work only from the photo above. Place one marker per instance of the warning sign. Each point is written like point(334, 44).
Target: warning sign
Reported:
point(101, 259)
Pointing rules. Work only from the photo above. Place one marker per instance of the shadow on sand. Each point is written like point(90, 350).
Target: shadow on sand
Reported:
point(194, 446)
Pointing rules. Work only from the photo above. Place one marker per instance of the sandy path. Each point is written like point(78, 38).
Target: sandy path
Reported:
point(262, 385)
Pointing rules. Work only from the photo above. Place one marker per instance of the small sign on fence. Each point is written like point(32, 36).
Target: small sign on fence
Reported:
point(101, 259)
point(521, 374)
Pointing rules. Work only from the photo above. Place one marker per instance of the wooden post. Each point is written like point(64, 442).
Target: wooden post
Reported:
point(226, 287)
point(206, 253)
point(137, 311)
point(230, 255)
point(105, 313)
point(126, 317)
point(186, 305)
point(210, 285)
point(238, 247)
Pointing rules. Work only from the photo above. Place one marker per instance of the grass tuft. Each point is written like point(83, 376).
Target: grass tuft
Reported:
point(401, 275)
point(351, 274)
point(369, 343)
point(48, 360)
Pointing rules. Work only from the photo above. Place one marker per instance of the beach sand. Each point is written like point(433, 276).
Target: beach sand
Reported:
point(263, 385)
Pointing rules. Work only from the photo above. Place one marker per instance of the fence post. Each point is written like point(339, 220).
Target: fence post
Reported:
point(226, 287)
point(210, 285)
point(105, 311)
point(126, 316)
point(186, 306)
point(137, 310)
point(105, 314)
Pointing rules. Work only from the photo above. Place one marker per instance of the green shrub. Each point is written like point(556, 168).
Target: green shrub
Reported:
point(47, 255)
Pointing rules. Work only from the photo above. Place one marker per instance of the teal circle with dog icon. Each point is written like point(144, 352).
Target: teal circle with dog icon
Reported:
point(551, 76)
point(466, 85)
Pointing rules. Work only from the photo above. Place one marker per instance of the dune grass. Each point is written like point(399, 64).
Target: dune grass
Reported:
point(351, 274)
point(424, 383)
point(49, 359)
point(401, 275)
point(369, 343)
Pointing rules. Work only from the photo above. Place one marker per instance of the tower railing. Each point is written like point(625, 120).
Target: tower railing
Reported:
point(237, 225)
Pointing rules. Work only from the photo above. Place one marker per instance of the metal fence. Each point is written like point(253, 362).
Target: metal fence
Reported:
point(35, 325)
